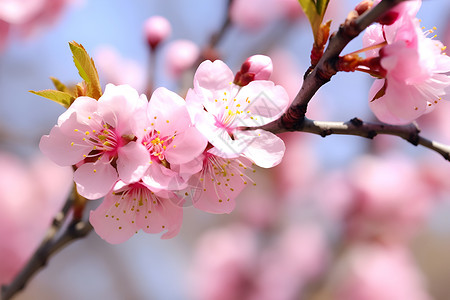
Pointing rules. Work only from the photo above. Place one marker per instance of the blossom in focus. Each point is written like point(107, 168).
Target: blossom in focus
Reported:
point(30, 195)
point(171, 141)
point(218, 107)
point(98, 137)
point(415, 68)
point(256, 67)
point(129, 208)
point(219, 182)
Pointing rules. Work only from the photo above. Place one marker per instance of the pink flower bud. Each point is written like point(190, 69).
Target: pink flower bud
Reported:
point(156, 30)
point(256, 67)
point(181, 55)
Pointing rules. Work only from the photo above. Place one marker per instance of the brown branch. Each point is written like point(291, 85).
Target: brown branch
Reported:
point(357, 127)
point(53, 241)
point(327, 66)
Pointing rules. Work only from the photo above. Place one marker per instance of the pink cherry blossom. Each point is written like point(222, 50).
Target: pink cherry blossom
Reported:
point(171, 140)
point(98, 136)
point(255, 14)
point(118, 70)
point(415, 68)
point(129, 208)
point(390, 198)
point(218, 107)
point(256, 67)
point(374, 272)
point(28, 17)
point(156, 30)
point(406, 8)
point(215, 188)
point(181, 56)
point(30, 195)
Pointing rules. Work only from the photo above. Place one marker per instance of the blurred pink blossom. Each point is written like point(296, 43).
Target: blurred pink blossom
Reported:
point(232, 263)
point(156, 30)
point(390, 198)
point(180, 56)
point(255, 14)
point(115, 69)
point(378, 272)
point(29, 197)
point(29, 17)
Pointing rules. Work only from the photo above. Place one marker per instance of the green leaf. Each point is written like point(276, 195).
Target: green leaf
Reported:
point(314, 10)
point(63, 98)
point(86, 69)
point(59, 85)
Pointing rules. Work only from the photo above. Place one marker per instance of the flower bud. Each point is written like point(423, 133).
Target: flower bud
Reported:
point(180, 56)
point(256, 67)
point(156, 30)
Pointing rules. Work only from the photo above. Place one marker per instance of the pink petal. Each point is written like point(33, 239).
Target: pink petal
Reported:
point(110, 222)
point(167, 112)
point(63, 149)
point(213, 76)
point(121, 106)
point(86, 110)
point(264, 148)
point(400, 104)
point(217, 136)
point(159, 177)
point(158, 214)
point(95, 180)
point(186, 146)
point(260, 102)
point(216, 188)
point(133, 160)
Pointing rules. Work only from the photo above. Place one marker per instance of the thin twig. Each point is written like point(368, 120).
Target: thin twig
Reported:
point(357, 127)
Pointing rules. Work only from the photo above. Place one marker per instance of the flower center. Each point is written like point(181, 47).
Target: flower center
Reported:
point(105, 141)
point(156, 144)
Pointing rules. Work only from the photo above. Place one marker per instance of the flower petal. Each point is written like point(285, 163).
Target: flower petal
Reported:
point(133, 160)
point(264, 148)
point(260, 102)
point(110, 222)
point(95, 180)
point(186, 146)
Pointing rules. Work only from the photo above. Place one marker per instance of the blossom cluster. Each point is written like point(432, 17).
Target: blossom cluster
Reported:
point(148, 159)
point(414, 67)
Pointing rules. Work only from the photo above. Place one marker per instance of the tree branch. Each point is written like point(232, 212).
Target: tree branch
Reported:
point(53, 241)
point(357, 127)
point(326, 67)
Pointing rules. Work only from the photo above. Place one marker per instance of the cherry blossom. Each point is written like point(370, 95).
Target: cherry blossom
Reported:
point(156, 30)
point(219, 182)
point(256, 67)
point(171, 140)
point(218, 107)
point(415, 68)
point(98, 137)
point(30, 195)
point(129, 208)
point(180, 56)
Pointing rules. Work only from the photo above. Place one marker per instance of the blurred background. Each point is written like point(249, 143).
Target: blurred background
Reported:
point(340, 218)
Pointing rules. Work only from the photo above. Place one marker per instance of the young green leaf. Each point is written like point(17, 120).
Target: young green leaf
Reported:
point(314, 10)
point(86, 69)
point(63, 98)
